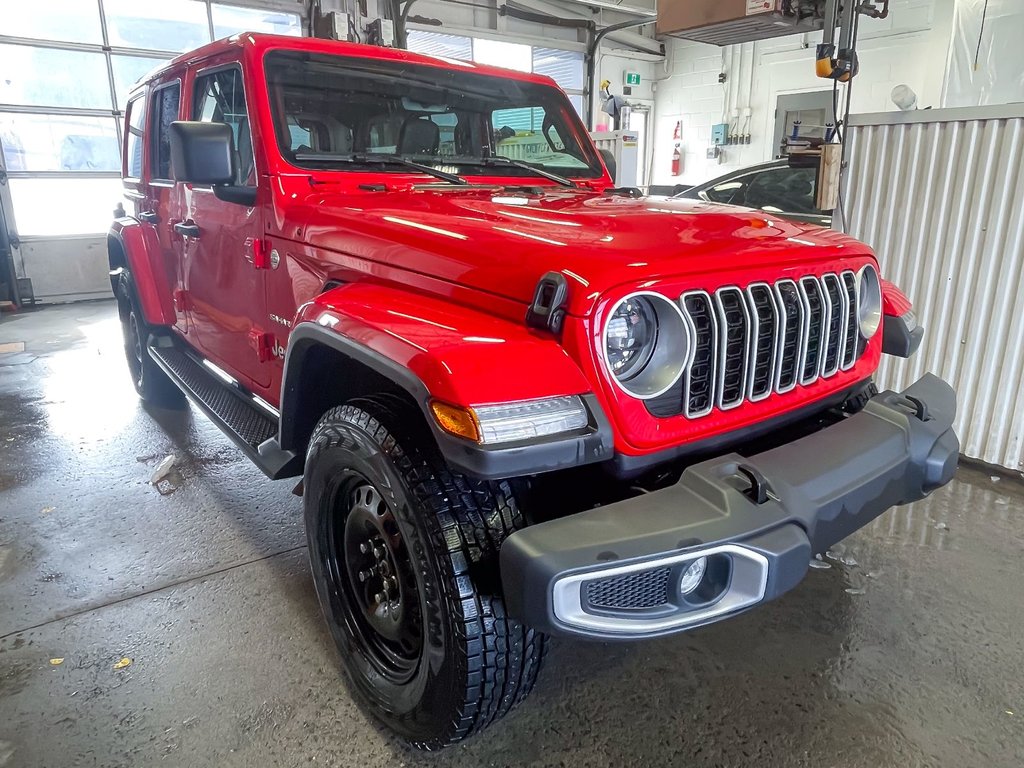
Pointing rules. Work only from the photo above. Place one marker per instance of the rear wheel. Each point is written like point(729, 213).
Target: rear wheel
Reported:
point(151, 383)
point(404, 558)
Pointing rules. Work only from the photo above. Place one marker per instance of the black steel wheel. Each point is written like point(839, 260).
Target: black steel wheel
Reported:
point(151, 383)
point(404, 559)
point(369, 564)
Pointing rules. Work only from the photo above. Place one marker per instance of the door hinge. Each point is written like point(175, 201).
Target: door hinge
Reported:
point(263, 343)
point(260, 253)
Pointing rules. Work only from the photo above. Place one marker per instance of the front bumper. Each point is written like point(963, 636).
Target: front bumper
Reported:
point(614, 572)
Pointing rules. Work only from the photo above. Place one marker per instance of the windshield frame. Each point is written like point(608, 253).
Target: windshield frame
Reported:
point(548, 96)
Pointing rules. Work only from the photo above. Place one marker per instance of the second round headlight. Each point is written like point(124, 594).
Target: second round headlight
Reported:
point(869, 301)
point(647, 344)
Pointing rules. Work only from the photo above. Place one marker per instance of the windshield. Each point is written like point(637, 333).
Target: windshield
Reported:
point(335, 111)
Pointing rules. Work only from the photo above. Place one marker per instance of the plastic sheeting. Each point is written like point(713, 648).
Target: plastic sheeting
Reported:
point(986, 54)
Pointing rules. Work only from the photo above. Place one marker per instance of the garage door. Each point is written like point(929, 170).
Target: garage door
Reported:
point(66, 76)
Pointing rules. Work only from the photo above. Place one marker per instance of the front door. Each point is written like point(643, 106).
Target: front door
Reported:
point(226, 300)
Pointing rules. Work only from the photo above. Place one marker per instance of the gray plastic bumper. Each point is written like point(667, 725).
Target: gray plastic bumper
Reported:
point(757, 519)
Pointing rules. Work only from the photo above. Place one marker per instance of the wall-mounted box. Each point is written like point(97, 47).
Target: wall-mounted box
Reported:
point(719, 133)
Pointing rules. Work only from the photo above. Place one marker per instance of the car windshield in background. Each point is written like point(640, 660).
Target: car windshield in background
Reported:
point(333, 112)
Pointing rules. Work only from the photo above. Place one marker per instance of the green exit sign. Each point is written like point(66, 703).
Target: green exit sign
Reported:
point(632, 78)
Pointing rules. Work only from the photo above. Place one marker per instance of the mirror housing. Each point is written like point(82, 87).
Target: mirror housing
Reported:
point(202, 153)
point(609, 161)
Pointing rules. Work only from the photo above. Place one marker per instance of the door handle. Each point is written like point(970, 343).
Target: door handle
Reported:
point(150, 217)
point(187, 230)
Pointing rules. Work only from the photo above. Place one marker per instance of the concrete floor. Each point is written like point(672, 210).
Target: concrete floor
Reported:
point(912, 656)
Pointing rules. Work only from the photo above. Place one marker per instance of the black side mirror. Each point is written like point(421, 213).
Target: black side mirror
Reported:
point(609, 161)
point(202, 153)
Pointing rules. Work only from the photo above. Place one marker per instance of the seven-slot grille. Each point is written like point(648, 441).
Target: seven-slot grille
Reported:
point(767, 338)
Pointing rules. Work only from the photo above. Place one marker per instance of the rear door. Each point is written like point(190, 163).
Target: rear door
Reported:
point(226, 300)
point(158, 200)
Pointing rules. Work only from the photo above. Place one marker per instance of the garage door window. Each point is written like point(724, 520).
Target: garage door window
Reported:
point(128, 70)
point(170, 25)
point(66, 73)
point(230, 20)
point(60, 143)
point(48, 77)
point(564, 67)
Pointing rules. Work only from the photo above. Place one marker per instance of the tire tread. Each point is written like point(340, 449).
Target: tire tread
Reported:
point(466, 520)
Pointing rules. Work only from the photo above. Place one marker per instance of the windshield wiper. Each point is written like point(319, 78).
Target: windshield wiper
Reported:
point(499, 160)
point(371, 158)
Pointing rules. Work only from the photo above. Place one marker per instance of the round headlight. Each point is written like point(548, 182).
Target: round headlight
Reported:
point(647, 344)
point(869, 301)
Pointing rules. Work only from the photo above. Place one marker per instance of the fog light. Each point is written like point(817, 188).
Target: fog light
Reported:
point(693, 575)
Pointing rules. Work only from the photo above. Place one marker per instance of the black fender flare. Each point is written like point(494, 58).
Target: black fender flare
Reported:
point(484, 462)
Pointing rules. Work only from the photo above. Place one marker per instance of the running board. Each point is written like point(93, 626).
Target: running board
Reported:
point(228, 405)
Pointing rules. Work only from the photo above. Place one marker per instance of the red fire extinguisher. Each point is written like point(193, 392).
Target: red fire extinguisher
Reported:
point(677, 155)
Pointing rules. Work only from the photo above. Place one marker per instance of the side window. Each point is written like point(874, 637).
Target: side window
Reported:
point(729, 191)
point(530, 134)
point(789, 190)
point(134, 136)
point(165, 112)
point(220, 98)
point(446, 123)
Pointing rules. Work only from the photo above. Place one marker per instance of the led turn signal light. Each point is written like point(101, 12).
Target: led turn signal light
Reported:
point(455, 420)
point(523, 420)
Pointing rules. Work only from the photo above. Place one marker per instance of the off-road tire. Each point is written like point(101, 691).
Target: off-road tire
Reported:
point(475, 663)
point(150, 381)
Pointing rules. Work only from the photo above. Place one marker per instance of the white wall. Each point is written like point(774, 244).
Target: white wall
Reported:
point(612, 64)
point(908, 47)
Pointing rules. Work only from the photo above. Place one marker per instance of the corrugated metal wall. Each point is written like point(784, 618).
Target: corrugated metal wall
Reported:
point(940, 197)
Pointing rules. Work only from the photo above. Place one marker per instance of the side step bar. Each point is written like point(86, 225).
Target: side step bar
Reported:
point(229, 406)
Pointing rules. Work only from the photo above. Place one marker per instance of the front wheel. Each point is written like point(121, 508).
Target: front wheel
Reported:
point(404, 558)
point(150, 381)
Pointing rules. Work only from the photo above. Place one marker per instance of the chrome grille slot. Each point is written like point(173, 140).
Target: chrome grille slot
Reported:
point(699, 380)
point(850, 353)
point(766, 338)
point(817, 328)
point(765, 320)
point(794, 321)
point(840, 310)
point(734, 346)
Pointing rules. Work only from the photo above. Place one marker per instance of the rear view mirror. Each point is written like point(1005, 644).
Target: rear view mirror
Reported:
point(202, 153)
point(609, 161)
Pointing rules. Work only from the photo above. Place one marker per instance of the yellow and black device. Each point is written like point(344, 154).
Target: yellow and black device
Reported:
point(844, 16)
point(831, 67)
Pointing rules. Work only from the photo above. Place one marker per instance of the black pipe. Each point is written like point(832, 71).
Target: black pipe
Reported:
point(595, 42)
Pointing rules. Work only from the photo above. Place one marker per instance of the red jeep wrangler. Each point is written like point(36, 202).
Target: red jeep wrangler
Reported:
point(522, 402)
